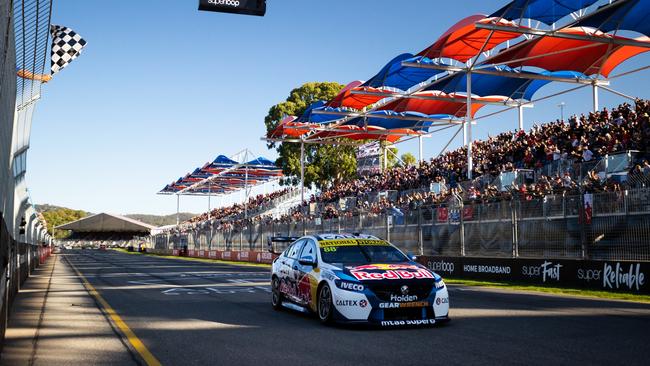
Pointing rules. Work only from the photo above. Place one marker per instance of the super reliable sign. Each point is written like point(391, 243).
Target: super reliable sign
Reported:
point(249, 7)
point(598, 275)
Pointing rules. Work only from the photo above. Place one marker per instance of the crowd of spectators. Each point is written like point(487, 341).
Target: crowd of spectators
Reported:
point(255, 204)
point(581, 139)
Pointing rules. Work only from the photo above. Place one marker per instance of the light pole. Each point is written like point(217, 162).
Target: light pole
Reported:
point(561, 105)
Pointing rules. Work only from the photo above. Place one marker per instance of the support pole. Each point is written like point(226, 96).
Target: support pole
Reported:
point(178, 207)
point(465, 132)
point(468, 124)
point(209, 193)
point(302, 172)
point(384, 165)
point(520, 108)
point(210, 222)
point(421, 158)
point(246, 194)
point(595, 95)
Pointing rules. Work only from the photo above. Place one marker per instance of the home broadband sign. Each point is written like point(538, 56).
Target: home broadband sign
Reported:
point(249, 7)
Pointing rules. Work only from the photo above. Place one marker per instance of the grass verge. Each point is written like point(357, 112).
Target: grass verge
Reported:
point(204, 260)
point(551, 290)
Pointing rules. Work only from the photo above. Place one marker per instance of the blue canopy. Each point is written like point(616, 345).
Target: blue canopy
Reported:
point(200, 174)
point(537, 84)
point(378, 118)
point(546, 11)
point(308, 116)
point(323, 118)
point(262, 162)
point(395, 75)
point(512, 87)
point(223, 160)
point(627, 15)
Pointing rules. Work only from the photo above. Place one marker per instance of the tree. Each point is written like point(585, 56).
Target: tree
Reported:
point(324, 164)
point(59, 216)
point(408, 159)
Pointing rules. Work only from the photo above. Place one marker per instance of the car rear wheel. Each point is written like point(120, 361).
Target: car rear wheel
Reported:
point(325, 306)
point(276, 295)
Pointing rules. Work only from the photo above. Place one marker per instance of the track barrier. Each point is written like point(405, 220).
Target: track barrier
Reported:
point(615, 276)
point(250, 256)
point(17, 261)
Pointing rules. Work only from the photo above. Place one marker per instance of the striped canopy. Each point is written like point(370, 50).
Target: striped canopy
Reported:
point(224, 175)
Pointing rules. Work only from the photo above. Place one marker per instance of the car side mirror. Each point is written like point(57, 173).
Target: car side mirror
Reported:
point(307, 261)
point(412, 256)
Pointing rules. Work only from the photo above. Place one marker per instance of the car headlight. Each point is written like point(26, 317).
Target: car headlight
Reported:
point(440, 284)
point(349, 286)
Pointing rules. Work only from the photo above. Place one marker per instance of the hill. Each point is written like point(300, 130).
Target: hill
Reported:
point(56, 215)
point(161, 220)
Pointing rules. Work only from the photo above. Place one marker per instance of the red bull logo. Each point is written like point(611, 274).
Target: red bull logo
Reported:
point(384, 267)
point(392, 274)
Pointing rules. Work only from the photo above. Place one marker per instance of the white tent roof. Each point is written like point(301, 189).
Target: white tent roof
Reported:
point(104, 222)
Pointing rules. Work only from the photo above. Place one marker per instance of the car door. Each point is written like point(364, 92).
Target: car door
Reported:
point(307, 279)
point(288, 272)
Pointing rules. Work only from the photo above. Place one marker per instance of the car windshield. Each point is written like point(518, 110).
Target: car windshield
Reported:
point(360, 251)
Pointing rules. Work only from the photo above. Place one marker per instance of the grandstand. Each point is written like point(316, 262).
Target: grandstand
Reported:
point(547, 171)
point(589, 165)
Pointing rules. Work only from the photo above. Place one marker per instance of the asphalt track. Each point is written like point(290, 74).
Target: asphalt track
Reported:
point(194, 313)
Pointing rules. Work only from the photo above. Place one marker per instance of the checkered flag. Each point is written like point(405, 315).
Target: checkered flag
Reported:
point(66, 46)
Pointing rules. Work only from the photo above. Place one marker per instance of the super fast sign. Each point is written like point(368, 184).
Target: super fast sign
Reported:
point(249, 7)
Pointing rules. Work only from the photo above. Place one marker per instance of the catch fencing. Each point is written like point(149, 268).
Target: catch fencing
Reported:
point(24, 26)
point(603, 226)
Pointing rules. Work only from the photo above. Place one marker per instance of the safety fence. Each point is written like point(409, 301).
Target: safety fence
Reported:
point(607, 226)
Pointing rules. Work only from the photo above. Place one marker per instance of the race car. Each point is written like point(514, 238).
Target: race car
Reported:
point(356, 278)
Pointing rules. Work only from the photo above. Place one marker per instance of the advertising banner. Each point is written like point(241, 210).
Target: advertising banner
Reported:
point(248, 7)
point(443, 214)
point(623, 276)
point(368, 159)
point(240, 256)
point(589, 205)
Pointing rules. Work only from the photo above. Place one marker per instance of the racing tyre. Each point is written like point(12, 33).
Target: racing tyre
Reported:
point(325, 305)
point(276, 295)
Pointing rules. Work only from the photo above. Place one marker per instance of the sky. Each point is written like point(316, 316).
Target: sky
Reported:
point(162, 88)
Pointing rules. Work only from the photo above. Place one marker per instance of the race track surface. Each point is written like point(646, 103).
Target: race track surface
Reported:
point(194, 313)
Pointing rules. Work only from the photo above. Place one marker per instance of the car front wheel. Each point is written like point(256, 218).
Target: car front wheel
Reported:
point(325, 306)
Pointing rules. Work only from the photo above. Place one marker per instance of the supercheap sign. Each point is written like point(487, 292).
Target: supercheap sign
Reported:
point(247, 7)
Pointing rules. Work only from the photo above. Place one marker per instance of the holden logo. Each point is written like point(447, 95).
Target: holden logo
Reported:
point(405, 295)
point(405, 290)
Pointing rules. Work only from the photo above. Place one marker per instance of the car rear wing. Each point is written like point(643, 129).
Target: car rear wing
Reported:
point(271, 240)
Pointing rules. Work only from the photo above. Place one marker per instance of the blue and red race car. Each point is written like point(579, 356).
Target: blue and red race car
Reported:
point(357, 279)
